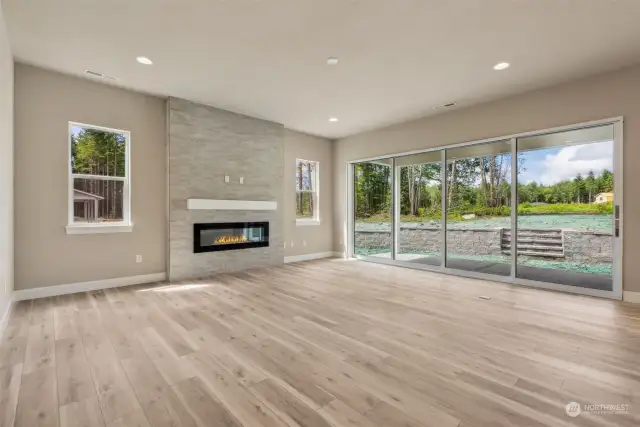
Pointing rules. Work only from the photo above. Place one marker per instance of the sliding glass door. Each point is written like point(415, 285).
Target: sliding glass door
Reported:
point(565, 219)
point(542, 209)
point(478, 199)
point(372, 190)
point(419, 188)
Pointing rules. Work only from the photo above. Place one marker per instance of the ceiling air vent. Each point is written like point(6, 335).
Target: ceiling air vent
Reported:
point(449, 105)
point(99, 75)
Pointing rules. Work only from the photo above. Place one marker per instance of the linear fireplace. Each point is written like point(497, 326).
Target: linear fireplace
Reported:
point(225, 236)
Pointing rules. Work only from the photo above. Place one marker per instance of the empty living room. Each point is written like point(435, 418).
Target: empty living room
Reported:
point(319, 213)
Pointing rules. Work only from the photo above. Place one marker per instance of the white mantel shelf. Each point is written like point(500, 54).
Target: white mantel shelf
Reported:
point(231, 205)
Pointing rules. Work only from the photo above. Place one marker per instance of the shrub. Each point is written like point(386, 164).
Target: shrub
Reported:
point(566, 208)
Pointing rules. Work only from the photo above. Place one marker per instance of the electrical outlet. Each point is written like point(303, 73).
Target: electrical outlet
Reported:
point(292, 244)
point(138, 258)
point(304, 243)
point(242, 180)
point(226, 178)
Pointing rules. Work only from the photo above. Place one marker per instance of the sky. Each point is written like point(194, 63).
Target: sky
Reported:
point(553, 165)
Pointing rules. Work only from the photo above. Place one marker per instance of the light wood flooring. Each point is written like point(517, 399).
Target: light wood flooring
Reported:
point(323, 343)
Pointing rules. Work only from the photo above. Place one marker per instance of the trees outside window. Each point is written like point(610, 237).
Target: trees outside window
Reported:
point(307, 195)
point(99, 176)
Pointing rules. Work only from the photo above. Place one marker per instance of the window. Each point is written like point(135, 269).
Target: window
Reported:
point(307, 208)
point(98, 180)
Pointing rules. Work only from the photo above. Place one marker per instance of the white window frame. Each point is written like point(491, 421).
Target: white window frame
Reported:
point(316, 196)
point(123, 226)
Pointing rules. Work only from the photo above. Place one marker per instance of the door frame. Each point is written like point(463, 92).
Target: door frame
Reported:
point(617, 268)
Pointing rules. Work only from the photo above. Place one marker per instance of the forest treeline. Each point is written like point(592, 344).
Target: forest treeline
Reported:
point(305, 188)
point(99, 153)
point(475, 186)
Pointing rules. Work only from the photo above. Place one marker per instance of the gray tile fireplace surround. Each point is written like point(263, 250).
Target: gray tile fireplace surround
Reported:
point(205, 145)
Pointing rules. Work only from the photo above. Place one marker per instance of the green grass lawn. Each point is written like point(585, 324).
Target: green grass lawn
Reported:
point(603, 223)
point(503, 211)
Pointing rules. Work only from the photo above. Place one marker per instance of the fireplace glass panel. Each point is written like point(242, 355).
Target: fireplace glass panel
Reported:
point(228, 236)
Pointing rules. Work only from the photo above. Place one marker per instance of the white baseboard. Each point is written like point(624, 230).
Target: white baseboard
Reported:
point(308, 257)
point(631, 297)
point(72, 288)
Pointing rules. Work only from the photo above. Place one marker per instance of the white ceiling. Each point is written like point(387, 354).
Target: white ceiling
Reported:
point(267, 58)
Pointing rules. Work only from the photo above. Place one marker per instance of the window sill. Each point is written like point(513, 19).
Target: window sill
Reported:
point(99, 228)
point(307, 222)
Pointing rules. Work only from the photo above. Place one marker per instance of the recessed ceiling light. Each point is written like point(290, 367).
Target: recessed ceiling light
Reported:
point(144, 60)
point(332, 61)
point(333, 119)
point(501, 66)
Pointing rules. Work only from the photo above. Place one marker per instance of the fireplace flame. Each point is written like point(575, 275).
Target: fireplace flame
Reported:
point(231, 239)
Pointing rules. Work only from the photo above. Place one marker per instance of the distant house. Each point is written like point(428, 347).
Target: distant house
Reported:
point(604, 198)
point(85, 205)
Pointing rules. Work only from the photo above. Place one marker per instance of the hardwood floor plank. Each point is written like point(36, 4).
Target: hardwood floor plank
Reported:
point(10, 379)
point(327, 342)
point(386, 415)
point(172, 367)
point(12, 350)
point(287, 406)
point(65, 325)
point(40, 352)
point(245, 407)
point(333, 385)
point(106, 369)
point(283, 373)
point(168, 411)
point(74, 379)
point(341, 415)
point(174, 335)
point(145, 378)
point(134, 419)
point(242, 368)
point(21, 310)
point(118, 403)
point(83, 413)
point(115, 394)
point(206, 409)
point(41, 311)
point(38, 399)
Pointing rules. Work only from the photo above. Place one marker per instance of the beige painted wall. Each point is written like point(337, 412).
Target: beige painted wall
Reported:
point(44, 254)
point(313, 238)
point(6, 170)
point(599, 97)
